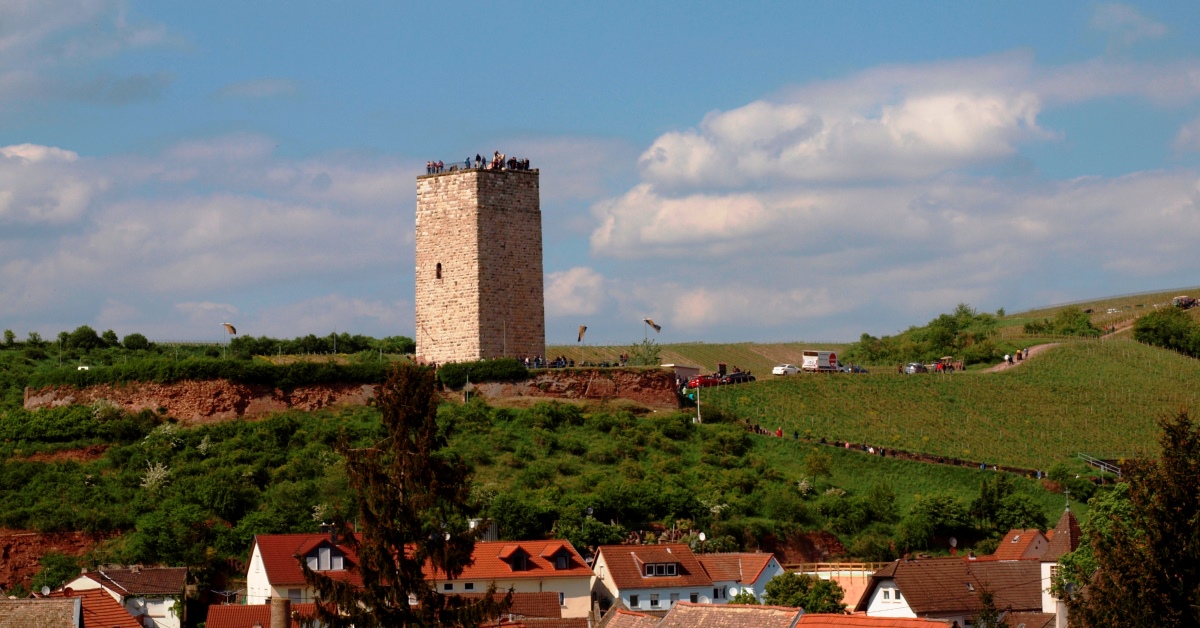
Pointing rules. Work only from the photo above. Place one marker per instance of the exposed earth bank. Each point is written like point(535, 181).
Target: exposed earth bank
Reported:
point(215, 400)
point(20, 552)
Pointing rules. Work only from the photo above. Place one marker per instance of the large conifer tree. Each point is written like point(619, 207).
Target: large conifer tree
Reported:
point(413, 510)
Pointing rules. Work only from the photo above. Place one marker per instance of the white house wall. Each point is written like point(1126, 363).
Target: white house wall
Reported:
point(258, 586)
point(891, 607)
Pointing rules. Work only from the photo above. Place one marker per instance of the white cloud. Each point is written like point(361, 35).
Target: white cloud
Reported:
point(579, 291)
point(1125, 25)
point(1188, 137)
point(45, 185)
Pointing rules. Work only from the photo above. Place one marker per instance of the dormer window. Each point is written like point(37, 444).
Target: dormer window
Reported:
point(661, 569)
point(519, 562)
point(516, 557)
point(326, 558)
point(562, 561)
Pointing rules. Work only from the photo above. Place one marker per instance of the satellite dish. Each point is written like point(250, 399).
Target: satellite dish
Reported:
point(45, 590)
point(589, 511)
point(953, 542)
point(702, 537)
point(733, 591)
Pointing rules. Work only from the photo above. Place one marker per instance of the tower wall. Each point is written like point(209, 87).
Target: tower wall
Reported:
point(485, 229)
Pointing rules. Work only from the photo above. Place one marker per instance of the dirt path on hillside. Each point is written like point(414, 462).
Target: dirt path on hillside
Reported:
point(1032, 351)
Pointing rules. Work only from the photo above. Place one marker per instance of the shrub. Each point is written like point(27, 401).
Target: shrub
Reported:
point(456, 374)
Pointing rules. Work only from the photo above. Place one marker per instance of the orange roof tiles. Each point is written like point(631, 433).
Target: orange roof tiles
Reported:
point(1020, 544)
point(489, 563)
point(626, 564)
point(1030, 620)
point(952, 585)
point(1064, 537)
point(823, 620)
point(100, 609)
point(742, 568)
point(686, 615)
point(249, 615)
point(622, 618)
point(144, 580)
point(279, 552)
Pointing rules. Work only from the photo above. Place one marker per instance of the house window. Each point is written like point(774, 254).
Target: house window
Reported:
point(294, 596)
point(335, 562)
point(562, 598)
point(323, 558)
point(670, 569)
point(716, 594)
point(653, 600)
point(470, 586)
point(887, 595)
point(674, 599)
point(449, 586)
point(562, 561)
point(898, 596)
point(660, 570)
point(694, 597)
point(439, 270)
point(633, 602)
point(519, 563)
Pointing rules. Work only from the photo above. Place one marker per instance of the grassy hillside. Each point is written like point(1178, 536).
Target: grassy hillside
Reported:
point(758, 358)
point(1097, 397)
point(1128, 307)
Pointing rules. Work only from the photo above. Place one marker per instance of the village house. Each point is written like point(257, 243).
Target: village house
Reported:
point(98, 608)
point(154, 594)
point(734, 573)
point(274, 570)
point(1019, 574)
point(650, 577)
point(523, 566)
point(526, 567)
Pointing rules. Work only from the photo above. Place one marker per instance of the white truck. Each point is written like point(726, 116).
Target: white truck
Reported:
point(818, 361)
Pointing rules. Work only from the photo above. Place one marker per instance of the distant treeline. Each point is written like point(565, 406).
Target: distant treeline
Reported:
point(102, 347)
point(165, 371)
point(965, 334)
point(1069, 321)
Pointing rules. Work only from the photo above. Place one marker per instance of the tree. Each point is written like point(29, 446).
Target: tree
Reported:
point(1170, 328)
point(645, 353)
point(57, 569)
point(136, 342)
point(1145, 550)
point(110, 338)
point(414, 501)
point(814, 595)
point(10, 338)
point(1020, 512)
point(745, 596)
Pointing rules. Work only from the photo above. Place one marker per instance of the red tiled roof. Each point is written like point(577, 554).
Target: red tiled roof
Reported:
point(279, 552)
point(625, 563)
point(687, 615)
point(542, 604)
point(143, 581)
point(489, 562)
point(100, 609)
point(248, 615)
point(546, 622)
point(820, 620)
point(38, 613)
point(622, 618)
point(1064, 537)
point(1029, 620)
point(1019, 544)
point(742, 568)
point(952, 585)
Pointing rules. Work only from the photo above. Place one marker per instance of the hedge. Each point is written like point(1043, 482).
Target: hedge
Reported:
point(166, 371)
point(455, 374)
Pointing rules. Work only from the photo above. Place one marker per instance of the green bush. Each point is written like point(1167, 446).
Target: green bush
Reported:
point(456, 374)
point(165, 371)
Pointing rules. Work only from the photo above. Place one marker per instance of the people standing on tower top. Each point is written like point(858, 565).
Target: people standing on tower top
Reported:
point(478, 160)
point(428, 167)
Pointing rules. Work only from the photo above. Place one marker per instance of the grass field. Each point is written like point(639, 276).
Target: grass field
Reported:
point(1128, 307)
point(759, 358)
point(1096, 397)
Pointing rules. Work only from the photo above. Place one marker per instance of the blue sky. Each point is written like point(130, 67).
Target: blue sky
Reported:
point(777, 171)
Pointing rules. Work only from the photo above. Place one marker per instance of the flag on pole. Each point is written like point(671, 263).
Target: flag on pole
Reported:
point(582, 331)
point(230, 328)
point(650, 322)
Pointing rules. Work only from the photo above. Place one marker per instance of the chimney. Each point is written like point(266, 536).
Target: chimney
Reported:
point(281, 612)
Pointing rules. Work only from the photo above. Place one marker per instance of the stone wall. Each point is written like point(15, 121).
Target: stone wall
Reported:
point(479, 291)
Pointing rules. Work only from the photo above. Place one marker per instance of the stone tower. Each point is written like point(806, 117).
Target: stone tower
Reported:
point(479, 265)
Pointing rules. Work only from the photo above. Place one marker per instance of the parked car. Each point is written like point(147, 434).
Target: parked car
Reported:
point(701, 381)
point(853, 368)
point(785, 369)
point(915, 367)
point(740, 377)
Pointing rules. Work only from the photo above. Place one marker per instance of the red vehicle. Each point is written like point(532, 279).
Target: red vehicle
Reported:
point(701, 381)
